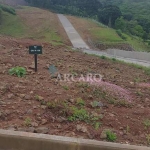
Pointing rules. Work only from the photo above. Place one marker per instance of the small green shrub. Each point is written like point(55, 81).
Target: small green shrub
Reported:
point(119, 32)
point(146, 123)
point(79, 114)
point(147, 70)
point(80, 102)
point(103, 57)
point(127, 129)
point(97, 125)
point(113, 59)
point(8, 9)
point(18, 71)
point(111, 136)
point(148, 138)
point(51, 105)
point(65, 87)
point(95, 104)
point(27, 121)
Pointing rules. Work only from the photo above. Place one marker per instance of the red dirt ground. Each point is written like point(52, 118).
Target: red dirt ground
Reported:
point(49, 103)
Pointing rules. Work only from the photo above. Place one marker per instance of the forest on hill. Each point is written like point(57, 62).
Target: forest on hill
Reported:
point(128, 16)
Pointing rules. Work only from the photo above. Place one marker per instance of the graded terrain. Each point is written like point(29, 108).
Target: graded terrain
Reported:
point(39, 102)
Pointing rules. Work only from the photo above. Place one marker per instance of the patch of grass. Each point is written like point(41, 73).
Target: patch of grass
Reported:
point(80, 102)
point(37, 98)
point(97, 125)
point(65, 87)
point(119, 32)
point(49, 35)
point(103, 57)
point(146, 123)
point(146, 70)
point(8, 9)
point(105, 35)
point(12, 25)
point(95, 104)
point(111, 136)
point(18, 71)
point(100, 93)
point(51, 105)
point(114, 59)
point(79, 114)
point(40, 99)
point(137, 43)
point(27, 121)
point(148, 139)
point(137, 80)
point(127, 129)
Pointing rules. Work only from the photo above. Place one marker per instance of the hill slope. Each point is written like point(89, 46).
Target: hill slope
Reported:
point(96, 34)
point(34, 23)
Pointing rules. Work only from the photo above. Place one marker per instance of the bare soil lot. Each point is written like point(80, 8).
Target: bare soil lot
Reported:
point(40, 103)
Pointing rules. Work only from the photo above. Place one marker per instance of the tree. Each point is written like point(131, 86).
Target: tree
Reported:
point(128, 16)
point(109, 14)
point(145, 36)
point(120, 24)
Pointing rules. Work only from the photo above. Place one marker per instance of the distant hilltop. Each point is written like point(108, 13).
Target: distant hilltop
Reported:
point(13, 2)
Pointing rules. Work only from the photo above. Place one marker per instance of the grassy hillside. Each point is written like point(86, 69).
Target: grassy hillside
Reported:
point(12, 26)
point(97, 32)
point(33, 23)
point(42, 25)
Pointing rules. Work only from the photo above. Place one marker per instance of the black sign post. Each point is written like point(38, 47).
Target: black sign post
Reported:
point(35, 50)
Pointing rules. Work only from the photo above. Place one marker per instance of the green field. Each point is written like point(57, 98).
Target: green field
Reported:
point(106, 35)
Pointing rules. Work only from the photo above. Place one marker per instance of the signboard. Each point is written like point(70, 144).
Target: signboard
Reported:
point(35, 49)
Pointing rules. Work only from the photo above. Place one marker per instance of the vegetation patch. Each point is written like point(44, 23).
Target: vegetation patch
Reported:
point(111, 136)
point(18, 71)
point(11, 25)
point(8, 9)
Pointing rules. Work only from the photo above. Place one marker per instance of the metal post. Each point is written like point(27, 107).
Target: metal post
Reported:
point(35, 60)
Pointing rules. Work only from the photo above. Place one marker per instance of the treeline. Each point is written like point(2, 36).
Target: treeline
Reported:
point(135, 18)
point(87, 8)
point(114, 13)
point(104, 12)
